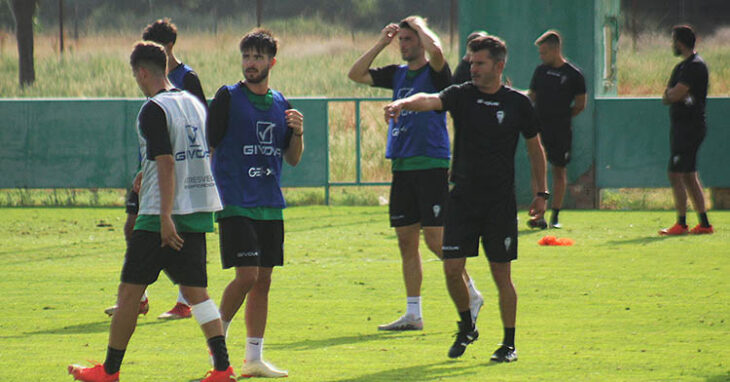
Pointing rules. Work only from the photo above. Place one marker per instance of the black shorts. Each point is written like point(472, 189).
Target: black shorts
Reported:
point(558, 142)
point(470, 218)
point(251, 243)
point(419, 196)
point(685, 140)
point(145, 259)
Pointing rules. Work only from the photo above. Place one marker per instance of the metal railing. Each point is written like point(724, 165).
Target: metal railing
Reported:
point(358, 148)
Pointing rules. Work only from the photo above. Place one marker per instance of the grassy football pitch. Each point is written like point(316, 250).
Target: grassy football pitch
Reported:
point(622, 304)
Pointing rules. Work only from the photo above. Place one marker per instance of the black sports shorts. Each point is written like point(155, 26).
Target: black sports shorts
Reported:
point(145, 259)
point(419, 196)
point(685, 139)
point(469, 218)
point(251, 243)
point(558, 142)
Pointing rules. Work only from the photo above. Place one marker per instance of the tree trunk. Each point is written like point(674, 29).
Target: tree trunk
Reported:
point(60, 25)
point(23, 11)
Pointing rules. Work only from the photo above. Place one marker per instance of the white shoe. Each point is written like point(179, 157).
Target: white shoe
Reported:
point(261, 368)
point(475, 304)
point(406, 322)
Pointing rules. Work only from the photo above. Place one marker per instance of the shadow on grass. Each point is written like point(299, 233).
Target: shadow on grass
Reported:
point(640, 240)
point(426, 372)
point(529, 231)
point(308, 344)
point(330, 225)
point(719, 378)
point(338, 214)
point(85, 328)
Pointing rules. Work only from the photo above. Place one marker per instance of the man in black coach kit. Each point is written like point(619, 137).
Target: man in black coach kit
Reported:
point(488, 120)
point(558, 91)
point(686, 95)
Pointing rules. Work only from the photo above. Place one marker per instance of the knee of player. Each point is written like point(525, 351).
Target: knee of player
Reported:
point(194, 295)
point(453, 270)
point(688, 177)
point(408, 248)
point(505, 285)
point(245, 280)
point(435, 246)
point(130, 292)
point(263, 282)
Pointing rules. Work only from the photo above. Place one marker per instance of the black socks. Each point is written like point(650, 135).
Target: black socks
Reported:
point(466, 319)
point(113, 360)
point(554, 216)
point(217, 346)
point(682, 220)
point(703, 220)
point(509, 337)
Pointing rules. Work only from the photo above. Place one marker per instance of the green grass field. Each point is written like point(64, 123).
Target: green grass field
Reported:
point(623, 304)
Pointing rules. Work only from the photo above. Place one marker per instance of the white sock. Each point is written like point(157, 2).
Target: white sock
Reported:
point(473, 292)
point(413, 306)
point(226, 324)
point(144, 295)
point(181, 299)
point(254, 348)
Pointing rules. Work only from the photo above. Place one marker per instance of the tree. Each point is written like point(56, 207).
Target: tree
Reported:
point(23, 12)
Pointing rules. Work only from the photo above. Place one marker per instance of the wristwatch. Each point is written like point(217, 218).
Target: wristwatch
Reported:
point(543, 194)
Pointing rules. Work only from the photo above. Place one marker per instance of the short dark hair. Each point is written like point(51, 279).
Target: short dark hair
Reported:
point(475, 34)
point(261, 40)
point(551, 37)
point(684, 34)
point(494, 45)
point(162, 31)
point(149, 54)
point(404, 23)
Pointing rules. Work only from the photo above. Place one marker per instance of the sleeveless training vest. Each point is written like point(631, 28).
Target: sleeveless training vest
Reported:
point(178, 74)
point(195, 189)
point(416, 133)
point(247, 162)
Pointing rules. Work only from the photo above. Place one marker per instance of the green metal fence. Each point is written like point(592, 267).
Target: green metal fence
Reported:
point(358, 146)
point(91, 143)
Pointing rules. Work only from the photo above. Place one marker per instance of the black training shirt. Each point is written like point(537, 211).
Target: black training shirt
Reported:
point(556, 89)
point(693, 73)
point(191, 83)
point(462, 73)
point(153, 125)
point(383, 76)
point(486, 131)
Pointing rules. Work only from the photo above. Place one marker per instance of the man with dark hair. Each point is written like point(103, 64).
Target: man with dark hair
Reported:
point(558, 90)
point(488, 119)
point(177, 199)
point(251, 128)
point(163, 32)
point(461, 74)
point(686, 95)
point(420, 159)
